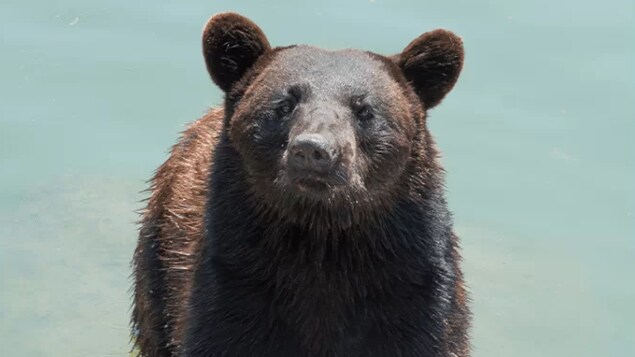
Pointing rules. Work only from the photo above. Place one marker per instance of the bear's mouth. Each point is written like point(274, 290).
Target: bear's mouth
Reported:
point(315, 184)
point(311, 184)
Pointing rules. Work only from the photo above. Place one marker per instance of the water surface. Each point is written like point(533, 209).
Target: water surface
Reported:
point(538, 140)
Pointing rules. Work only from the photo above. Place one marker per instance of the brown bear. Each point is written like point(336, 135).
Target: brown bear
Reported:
point(306, 218)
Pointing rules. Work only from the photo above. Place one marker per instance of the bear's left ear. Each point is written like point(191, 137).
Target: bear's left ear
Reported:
point(231, 45)
point(432, 63)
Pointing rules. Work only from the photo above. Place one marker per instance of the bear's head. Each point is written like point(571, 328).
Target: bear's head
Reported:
point(327, 132)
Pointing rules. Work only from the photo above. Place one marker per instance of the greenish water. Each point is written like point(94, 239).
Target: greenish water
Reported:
point(538, 140)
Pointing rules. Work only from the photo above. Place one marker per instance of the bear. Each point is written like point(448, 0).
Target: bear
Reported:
point(306, 217)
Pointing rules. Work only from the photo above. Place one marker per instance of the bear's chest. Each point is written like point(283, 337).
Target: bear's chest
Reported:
point(338, 300)
point(326, 296)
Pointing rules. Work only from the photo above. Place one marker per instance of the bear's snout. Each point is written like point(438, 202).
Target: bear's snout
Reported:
point(311, 152)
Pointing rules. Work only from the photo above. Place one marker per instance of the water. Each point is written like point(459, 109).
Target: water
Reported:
point(538, 140)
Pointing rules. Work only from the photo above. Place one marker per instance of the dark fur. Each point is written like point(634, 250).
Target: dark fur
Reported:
point(235, 259)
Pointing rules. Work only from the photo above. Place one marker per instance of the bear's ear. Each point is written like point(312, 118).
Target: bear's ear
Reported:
point(231, 45)
point(432, 63)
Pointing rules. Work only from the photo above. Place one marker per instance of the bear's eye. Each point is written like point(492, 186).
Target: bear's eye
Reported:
point(365, 113)
point(362, 110)
point(286, 106)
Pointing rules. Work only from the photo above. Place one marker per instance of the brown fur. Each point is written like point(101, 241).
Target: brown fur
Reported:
point(458, 343)
point(173, 226)
point(173, 221)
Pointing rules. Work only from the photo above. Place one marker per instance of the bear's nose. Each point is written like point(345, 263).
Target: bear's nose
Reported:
point(312, 152)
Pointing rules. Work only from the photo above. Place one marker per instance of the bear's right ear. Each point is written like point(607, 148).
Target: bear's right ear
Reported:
point(231, 45)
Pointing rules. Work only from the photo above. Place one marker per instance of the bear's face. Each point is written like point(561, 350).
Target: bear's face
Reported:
point(314, 125)
point(315, 122)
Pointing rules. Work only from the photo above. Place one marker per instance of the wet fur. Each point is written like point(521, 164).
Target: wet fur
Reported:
point(228, 266)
